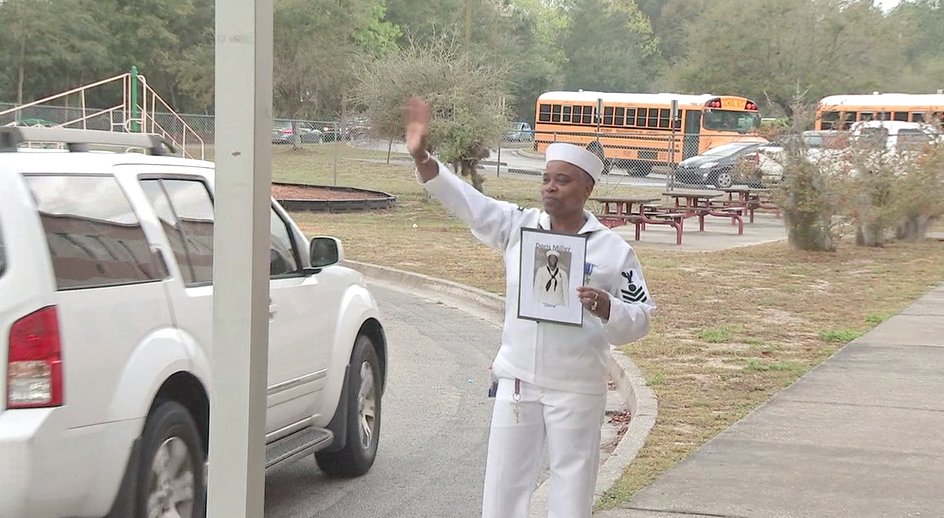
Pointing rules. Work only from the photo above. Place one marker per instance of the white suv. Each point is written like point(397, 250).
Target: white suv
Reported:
point(105, 333)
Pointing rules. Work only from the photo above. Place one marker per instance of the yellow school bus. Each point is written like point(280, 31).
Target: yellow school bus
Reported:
point(840, 112)
point(636, 130)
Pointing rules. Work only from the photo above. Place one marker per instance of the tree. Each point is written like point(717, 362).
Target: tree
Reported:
point(918, 26)
point(155, 36)
point(47, 46)
point(811, 193)
point(811, 47)
point(535, 58)
point(464, 92)
point(318, 43)
point(609, 46)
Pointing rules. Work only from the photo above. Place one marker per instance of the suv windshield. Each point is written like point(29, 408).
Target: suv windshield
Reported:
point(910, 139)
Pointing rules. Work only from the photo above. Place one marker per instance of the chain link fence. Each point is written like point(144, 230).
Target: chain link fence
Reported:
point(678, 158)
point(735, 159)
point(284, 131)
point(192, 133)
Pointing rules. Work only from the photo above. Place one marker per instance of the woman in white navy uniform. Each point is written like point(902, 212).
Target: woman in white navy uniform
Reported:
point(552, 378)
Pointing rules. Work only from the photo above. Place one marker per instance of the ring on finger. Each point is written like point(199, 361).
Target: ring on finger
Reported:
point(593, 307)
point(596, 295)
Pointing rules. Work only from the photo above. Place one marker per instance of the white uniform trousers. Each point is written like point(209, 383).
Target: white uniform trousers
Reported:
point(568, 424)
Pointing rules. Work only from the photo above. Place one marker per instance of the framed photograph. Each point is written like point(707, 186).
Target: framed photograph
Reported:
point(552, 266)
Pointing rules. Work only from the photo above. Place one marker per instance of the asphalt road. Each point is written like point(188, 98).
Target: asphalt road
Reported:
point(434, 428)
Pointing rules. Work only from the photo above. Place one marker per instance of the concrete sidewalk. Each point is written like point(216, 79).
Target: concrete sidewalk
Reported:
point(862, 435)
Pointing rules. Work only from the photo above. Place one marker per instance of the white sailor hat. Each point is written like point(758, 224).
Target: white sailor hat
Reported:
point(551, 252)
point(577, 156)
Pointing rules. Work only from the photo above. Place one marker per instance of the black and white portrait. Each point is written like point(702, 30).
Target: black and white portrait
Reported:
point(551, 266)
point(551, 276)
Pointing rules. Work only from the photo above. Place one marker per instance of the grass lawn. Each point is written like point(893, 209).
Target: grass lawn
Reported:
point(733, 327)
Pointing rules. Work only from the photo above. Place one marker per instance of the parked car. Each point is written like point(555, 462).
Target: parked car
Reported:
point(354, 129)
point(728, 164)
point(33, 122)
point(520, 132)
point(282, 133)
point(106, 291)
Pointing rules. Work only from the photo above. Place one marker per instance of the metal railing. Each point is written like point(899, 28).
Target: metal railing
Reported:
point(128, 115)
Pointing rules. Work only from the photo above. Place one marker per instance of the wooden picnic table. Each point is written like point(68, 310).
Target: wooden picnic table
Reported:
point(697, 203)
point(619, 210)
point(623, 205)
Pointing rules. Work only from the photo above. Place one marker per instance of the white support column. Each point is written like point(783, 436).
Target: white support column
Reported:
point(241, 258)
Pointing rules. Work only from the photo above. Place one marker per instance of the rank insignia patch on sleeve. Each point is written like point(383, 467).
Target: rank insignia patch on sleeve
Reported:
point(633, 293)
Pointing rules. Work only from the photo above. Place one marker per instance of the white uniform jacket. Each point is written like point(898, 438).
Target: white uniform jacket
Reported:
point(545, 354)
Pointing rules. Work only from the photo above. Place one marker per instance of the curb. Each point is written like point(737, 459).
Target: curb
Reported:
point(628, 379)
point(528, 153)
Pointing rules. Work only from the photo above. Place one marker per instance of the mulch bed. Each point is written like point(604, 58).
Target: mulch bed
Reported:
point(298, 192)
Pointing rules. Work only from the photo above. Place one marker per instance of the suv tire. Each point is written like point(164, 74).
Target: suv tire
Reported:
point(363, 416)
point(171, 477)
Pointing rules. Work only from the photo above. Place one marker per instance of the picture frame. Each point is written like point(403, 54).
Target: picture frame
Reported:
point(551, 268)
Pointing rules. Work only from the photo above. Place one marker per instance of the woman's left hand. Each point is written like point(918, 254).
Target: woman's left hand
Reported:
point(596, 301)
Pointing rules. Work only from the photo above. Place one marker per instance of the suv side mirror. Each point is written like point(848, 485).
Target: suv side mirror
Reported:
point(325, 251)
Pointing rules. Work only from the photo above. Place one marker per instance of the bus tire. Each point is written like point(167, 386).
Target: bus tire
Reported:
point(597, 149)
point(638, 168)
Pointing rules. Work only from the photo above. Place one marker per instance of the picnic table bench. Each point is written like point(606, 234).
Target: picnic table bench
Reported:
point(698, 203)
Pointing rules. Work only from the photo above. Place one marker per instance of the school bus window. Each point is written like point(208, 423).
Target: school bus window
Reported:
point(608, 116)
point(576, 114)
point(566, 115)
point(678, 121)
point(588, 115)
point(917, 117)
point(653, 118)
point(830, 120)
point(663, 118)
point(847, 119)
point(618, 118)
point(556, 113)
point(900, 116)
point(544, 115)
point(630, 116)
point(866, 116)
point(641, 117)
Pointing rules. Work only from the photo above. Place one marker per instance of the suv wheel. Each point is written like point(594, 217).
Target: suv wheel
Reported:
point(363, 416)
point(171, 481)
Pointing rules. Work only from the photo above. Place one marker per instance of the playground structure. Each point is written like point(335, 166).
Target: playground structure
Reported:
point(140, 109)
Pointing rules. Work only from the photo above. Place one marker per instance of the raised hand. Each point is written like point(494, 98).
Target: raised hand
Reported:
point(417, 127)
point(417, 131)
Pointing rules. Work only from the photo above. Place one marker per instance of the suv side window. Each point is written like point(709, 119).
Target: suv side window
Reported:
point(94, 237)
point(186, 213)
point(283, 257)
